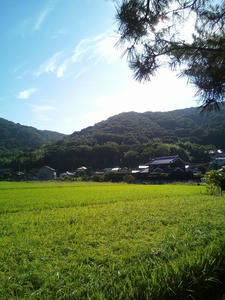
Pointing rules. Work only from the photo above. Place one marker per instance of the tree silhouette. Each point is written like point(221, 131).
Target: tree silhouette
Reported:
point(152, 32)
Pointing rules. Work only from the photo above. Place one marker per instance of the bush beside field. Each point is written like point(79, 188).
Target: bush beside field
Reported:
point(110, 241)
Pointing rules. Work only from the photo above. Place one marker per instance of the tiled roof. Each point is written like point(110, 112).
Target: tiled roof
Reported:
point(49, 168)
point(163, 160)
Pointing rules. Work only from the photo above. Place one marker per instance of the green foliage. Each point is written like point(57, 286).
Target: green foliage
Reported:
point(140, 128)
point(128, 178)
point(132, 138)
point(113, 177)
point(16, 136)
point(131, 158)
point(127, 140)
point(110, 241)
point(215, 181)
point(152, 32)
point(97, 178)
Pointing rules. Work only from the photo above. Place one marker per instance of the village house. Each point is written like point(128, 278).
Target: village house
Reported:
point(115, 169)
point(46, 173)
point(142, 169)
point(67, 174)
point(167, 164)
point(219, 160)
point(81, 169)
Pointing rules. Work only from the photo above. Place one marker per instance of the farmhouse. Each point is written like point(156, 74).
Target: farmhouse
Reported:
point(46, 173)
point(167, 164)
point(114, 169)
point(219, 160)
point(67, 174)
point(81, 169)
point(142, 169)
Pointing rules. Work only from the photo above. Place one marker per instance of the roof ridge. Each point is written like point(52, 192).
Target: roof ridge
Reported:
point(165, 157)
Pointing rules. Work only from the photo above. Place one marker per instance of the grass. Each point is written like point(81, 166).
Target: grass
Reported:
point(110, 241)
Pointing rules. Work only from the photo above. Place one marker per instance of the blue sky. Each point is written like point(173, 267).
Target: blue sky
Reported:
point(60, 71)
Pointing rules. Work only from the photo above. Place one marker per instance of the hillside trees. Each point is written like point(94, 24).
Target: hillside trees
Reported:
point(131, 158)
point(152, 32)
point(101, 156)
point(143, 136)
point(16, 136)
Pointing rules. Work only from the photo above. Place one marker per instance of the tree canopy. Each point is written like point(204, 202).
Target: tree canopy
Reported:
point(15, 136)
point(153, 34)
point(127, 140)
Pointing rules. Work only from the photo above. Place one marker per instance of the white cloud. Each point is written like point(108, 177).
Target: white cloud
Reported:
point(81, 52)
point(98, 48)
point(82, 48)
point(33, 23)
point(107, 50)
point(26, 94)
point(42, 16)
point(40, 19)
point(62, 68)
point(19, 71)
point(50, 65)
point(86, 54)
point(75, 57)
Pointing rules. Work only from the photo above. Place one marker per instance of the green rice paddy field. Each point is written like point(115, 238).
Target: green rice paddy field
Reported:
point(110, 241)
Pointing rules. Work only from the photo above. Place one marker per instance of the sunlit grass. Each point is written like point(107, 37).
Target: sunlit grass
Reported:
point(109, 241)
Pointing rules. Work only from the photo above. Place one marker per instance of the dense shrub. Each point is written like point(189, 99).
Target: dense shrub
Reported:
point(97, 177)
point(113, 176)
point(128, 178)
point(215, 181)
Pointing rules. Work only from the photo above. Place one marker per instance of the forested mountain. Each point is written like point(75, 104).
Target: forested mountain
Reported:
point(16, 136)
point(129, 139)
point(138, 128)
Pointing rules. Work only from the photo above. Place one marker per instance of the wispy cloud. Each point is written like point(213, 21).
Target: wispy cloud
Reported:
point(33, 23)
point(42, 16)
point(81, 52)
point(26, 94)
point(62, 68)
point(51, 4)
point(85, 55)
point(106, 49)
point(19, 71)
point(101, 47)
point(50, 65)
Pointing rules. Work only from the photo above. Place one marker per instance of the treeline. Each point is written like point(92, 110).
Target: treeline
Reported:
point(96, 157)
point(127, 139)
